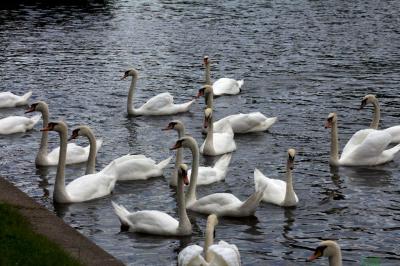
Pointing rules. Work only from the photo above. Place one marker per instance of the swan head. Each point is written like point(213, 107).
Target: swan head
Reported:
point(55, 126)
point(291, 155)
point(332, 118)
point(207, 116)
point(182, 172)
point(204, 91)
point(369, 98)
point(206, 60)
point(175, 124)
point(185, 142)
point(130, 72)
point(36, 107)
point(327, 248)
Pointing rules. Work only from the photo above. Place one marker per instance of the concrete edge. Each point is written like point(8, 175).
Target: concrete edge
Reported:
point(48, 224)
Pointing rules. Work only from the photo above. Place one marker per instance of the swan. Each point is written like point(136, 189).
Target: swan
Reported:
point(330, 249)
point(394, 131)
point(17, 124)
point(215, 254)
point(84, 188)
point(9, 99)
point(223, 85)
point(156, 222)
point(217, 143)
point(366, 147)
point(127, 167)
point(206, 174)
point(161, 104)
point(240, 123)
point(222, 204)
point(278, 192)
point(75, 153)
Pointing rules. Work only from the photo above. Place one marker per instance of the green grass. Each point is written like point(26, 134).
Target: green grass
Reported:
point(19, 245)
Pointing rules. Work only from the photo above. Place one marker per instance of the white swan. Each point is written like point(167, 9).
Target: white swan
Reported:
point(161, 104)
point(214, 254)
point(127, 167)
point(240, 123)
point(75, 153)
point(206, 175)
point(84, 188)
point(394, 131)
point(17, 124)
point(217, 143)
point(222, 204)
point(156, 222)
point(9, 99)
point(223, 85)
point(330, 249)
point(366, 147)
point(278, 192)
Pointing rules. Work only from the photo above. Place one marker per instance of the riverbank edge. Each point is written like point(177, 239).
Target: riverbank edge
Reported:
point(55, 229)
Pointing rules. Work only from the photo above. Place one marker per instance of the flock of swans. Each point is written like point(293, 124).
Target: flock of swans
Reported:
point(366, 147)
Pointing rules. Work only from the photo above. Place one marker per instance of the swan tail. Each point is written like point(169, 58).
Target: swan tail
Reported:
point(35, 119)
point(122, 213)
point(392, 151)
point(240, 83)
point(25, 98)
point(185, 106)
point(99, 142)
point(251, 204)
point(164, 163)
point(223, 162)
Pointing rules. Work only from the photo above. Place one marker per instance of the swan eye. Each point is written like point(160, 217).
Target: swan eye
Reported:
point(172, 124)
point(51, 125)
point(319, 251)
point(126, 73)
point(330, 119)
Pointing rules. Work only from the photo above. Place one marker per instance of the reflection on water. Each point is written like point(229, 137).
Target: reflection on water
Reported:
point(300, 61)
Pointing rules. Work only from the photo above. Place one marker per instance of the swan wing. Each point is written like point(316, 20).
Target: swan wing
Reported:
point(355, 141)
point(136, 168)
point(394, 132)
point(224, 254)
point(90, 187)
point(218, 203)
point(370, 150)
point(226, 86)
point(75, 154)
point(158, 102)
point(223, 142)
point(275, 191)
point(206, 175)
point(8, 99)
point(153, 222)
point(191, 255)
point(16, 124)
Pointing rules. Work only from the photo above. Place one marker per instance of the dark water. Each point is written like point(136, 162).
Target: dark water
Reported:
point(300, 61)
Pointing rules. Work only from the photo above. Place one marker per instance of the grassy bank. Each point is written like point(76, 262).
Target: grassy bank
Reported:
point(19, 245)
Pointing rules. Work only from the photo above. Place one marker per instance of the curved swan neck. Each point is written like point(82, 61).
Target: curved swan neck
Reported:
point(334, 157)
point(377, 115)
point(91, 162)
point(191, 194)
point(45, 134)
point(179, 156)
point(60, 194)
point(185, 226)
point(131, 94)
point(336, 260)
point(212, 221)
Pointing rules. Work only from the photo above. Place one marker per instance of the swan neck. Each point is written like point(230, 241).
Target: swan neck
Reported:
point(208, 78)
point(45, 135)
point(377, 115)
point(290, 194)
point(336, 259)
point(334, 158)
point(209, 142)
point(131, 95)
point(179, 158)
point(60, 194)
point(91, 163)
point(191, 195)
point(185, 226)
point(210, 99)
point(209, 239)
